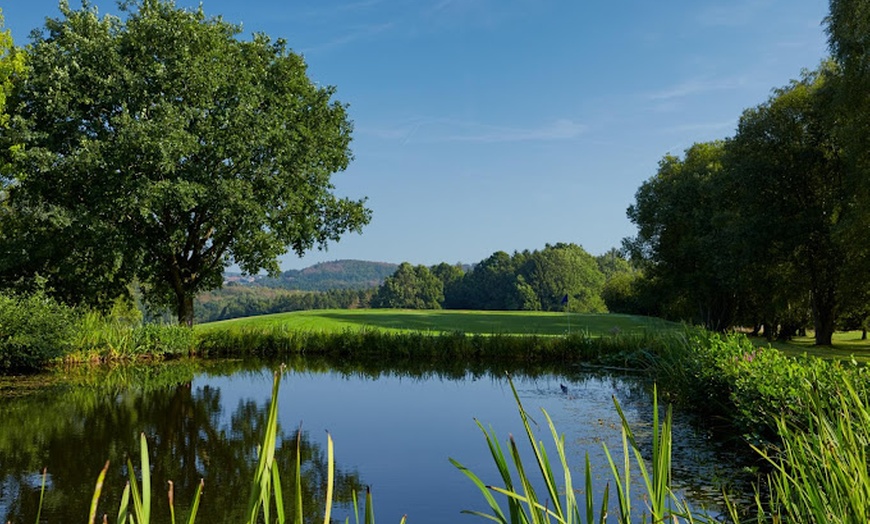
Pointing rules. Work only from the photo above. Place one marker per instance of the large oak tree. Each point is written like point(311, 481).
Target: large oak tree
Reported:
point(169, 142)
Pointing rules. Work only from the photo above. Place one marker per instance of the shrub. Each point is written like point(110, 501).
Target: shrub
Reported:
point(33, 330)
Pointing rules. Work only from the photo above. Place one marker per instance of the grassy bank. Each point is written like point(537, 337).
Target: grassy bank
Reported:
point(447, 321)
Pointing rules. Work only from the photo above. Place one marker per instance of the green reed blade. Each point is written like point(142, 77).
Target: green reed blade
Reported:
point(570, 512)
point(482, 514)
point(605, 500)
point(330, 477)
point(260, 494)
point(279, 495)
point(146, 481)
point(514, 509)
point(540, 454)
point(171, 495)
point(355, 506)
point(195, 507)
point(41, 494)
point(529, 490)
point(98, 490)
point(134, 492)
point(299, 517)
point(124, 505)
point(370, 510)
point(539, 508)
point(498, 515)
point(623, 482)
point(590, 503)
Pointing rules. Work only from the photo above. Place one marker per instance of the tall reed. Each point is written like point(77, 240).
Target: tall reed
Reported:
point(559, 503)
point(101, 337)
point(820, 470)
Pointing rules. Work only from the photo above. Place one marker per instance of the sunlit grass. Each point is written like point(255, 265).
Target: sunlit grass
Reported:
point(846, 345)
point(448, 321)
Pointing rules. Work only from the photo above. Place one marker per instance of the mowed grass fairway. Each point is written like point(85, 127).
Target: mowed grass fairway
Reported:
point(846, 345)
point(449, 321)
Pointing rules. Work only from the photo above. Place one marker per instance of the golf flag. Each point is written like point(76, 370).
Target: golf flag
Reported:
point(565, 300)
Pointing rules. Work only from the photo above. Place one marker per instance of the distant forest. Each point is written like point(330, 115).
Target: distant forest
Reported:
point(559, 277)
point(325, 276)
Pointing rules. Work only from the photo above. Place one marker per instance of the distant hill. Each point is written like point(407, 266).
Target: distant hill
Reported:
point(339, 274)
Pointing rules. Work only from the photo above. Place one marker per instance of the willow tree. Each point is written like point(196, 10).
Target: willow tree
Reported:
point(186, 147)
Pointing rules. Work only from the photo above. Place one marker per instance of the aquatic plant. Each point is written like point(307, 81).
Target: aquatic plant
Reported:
point(559, 502)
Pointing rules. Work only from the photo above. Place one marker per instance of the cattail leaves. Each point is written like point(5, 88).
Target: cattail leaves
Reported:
point(560, 503)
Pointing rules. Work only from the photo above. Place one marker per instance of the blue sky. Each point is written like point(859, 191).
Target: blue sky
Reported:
point(486, 125)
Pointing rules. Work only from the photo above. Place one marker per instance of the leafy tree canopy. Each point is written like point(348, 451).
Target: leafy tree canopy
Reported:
point(562, 270)
point(410, 287)
point(11, 64)
point(172, 149)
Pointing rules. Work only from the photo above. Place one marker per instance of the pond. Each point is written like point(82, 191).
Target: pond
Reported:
point(393, 430)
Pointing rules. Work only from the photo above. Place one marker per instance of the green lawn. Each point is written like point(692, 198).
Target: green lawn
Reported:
point(846, 345)
point(471, 322)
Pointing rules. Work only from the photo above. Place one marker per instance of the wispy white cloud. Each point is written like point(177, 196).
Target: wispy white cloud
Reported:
point(448, 130)
point(562, 129)
point(354, 34)
point(476, 12)
point(696, 86)
point(733, 14)
point(340, 9)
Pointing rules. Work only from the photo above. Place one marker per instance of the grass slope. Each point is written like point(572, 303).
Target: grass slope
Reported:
point(446, 321)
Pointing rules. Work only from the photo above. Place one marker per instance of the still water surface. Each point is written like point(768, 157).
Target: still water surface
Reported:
point(392, 431)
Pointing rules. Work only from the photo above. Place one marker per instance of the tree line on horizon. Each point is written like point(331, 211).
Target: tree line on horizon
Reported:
point(560, 277)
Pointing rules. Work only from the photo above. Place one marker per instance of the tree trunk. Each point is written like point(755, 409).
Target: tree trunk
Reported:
point(823, 317)
point(864, 334)
point(185, 309)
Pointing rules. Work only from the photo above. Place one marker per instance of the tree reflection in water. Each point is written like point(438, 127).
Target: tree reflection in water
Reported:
point(74, 430)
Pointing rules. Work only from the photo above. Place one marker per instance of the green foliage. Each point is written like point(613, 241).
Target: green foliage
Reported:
point(533, 281)
point(559, 501)
point(138, 133)
point(33, 330)
point(111, 337)
point(786, 158)
point(565, 269)
point(681, 244)
point(11, 65)
point(762, 229)
point(820, 470)
point(491, 284)
point(410, 288)
point(450, 276)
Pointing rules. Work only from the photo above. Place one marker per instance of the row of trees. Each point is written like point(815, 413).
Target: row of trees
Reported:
point(556, 278)
point(770, 227)
point(159, 149)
